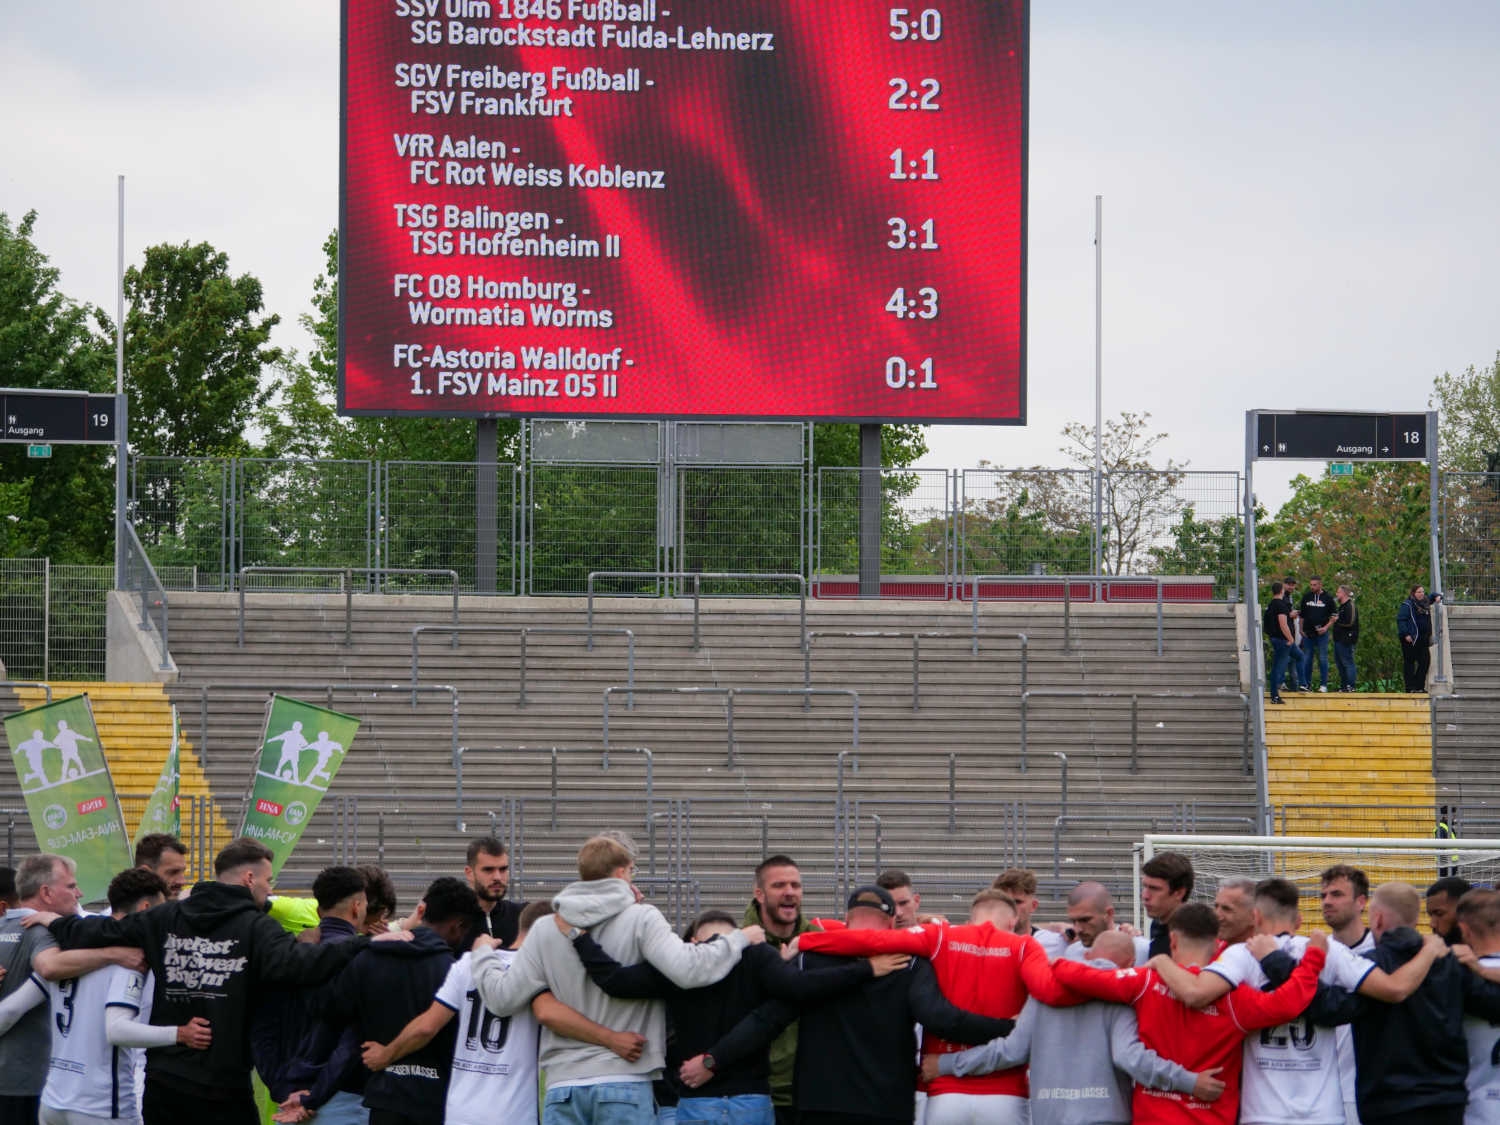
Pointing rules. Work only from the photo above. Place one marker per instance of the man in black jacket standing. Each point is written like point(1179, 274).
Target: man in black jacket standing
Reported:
point(1412, 1058)
point(856, 1053)
point(211, 953)
point(389, 985)
point(1317, 611)
point(1345, 637)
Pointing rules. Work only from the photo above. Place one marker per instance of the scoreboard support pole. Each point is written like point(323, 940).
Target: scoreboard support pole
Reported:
point(869, 510)
point(486, 481)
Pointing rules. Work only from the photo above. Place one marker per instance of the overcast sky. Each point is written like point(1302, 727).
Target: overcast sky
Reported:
point(1299, 195)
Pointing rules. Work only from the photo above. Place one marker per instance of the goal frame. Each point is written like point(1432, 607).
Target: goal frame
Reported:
point(1153, 842)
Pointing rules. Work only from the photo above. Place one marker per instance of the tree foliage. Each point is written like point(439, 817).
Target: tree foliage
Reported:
point(1469, 423)
point(62, 506)
point(195, 349)
point(1369, 531)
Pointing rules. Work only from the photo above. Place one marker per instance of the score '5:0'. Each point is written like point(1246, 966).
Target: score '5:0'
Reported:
point(927, 26)
point(899, 373)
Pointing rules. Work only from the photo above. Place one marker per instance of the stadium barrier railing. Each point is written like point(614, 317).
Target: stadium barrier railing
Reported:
point(553, 753)
point(1093, 587)
point(140, 578)
point(346, 587)
point(1135, 697)
point(697, 577)
point(916, 650)
point(524, 632)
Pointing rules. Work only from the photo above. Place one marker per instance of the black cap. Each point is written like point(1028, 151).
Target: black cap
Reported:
point(876, 898)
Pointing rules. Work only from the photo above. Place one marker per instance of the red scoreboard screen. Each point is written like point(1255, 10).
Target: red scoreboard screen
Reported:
point(797, 209)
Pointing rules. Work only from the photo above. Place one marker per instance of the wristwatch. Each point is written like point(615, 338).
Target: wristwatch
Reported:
point(574, 933)
point(709, 1064)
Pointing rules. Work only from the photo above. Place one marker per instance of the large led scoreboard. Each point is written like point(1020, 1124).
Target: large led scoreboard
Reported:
point(685, 208)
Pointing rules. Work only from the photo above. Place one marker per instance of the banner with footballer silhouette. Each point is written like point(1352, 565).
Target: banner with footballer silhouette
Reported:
point(70, 796)
point(300, 752)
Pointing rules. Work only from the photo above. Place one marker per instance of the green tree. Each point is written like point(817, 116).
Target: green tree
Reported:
point(195, 351)
point(1469, 426)
point(63, 506)
point(1368, 531)
point(1200, 547)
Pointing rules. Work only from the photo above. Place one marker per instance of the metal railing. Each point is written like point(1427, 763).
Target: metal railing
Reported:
point(1097, 585)
point(346, 587)
point(524, 632)
point(140, 578)
point(552, 752)
point(1135, 697)
point(1435, 703)
point(46, 688)
point(302, 689)
point(730, 695)
point(698, 576)
point(1183, 817)
point(916, 652)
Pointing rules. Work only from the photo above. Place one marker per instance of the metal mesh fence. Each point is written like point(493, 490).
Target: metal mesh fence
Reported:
point(1175, 523)
point(915, 533)
point(1471, 536)
point(180, 508)
point(591, 517)
point(1026, 521)
point(78, 600)
point(738, 520)
point(429, 514)
point(23, 618)
point(304, 513)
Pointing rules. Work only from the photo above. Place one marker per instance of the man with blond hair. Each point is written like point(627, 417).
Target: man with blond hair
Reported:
point(587, 1083)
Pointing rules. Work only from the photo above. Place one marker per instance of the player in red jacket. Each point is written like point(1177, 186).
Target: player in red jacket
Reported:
point(1203, 1038)
point(983, 967)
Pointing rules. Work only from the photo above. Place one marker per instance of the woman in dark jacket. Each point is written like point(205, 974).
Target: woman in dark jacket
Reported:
point(1414, 627)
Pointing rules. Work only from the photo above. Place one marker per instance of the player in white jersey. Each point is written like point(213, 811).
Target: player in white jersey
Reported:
point(494, 1076)
point(100, 1023)
point(1344, 891)
point(1479, 924)
point(1291, 1074)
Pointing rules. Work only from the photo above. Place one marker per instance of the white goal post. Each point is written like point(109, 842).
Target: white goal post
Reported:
point(1415, 860)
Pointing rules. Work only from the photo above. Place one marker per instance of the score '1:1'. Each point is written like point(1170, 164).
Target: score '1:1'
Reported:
point(923, 168)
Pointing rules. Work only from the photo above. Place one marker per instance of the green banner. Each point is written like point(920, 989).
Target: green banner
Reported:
point(302, 749)
point(162, 813)
point(69, 794)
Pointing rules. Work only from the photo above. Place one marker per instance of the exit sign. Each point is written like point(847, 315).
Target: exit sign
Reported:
point(39, 451)
point(1341, 468)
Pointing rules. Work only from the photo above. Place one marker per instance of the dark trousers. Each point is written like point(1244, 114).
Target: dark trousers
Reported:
point(786, 1115)
point(171, 1105)
point(1414, 661)
point(19, 1110)
point(1281, 655)
point(1432, 1115)
point(1315, 646)
point(1343, 656)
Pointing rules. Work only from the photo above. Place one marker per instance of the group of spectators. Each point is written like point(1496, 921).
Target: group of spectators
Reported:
point(459, 1011)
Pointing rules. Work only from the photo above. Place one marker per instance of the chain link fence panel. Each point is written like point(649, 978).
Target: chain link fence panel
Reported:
point(916, 530)
point(181, 510)
point(734, 519)
point(23, 618)
point(592, 517)
point(1470, 528)
point(1180, 522)
point(1026, 521)
point(304, 513)
point(429, 512)
point(78, 605)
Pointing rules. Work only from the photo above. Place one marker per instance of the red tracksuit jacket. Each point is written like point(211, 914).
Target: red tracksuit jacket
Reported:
point(1198, 1038)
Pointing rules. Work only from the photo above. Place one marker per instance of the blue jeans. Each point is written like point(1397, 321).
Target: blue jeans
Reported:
point(1315, 645)
point(344, 1108)
point(1281, 655)
point(1343, 657)
point(741, 1109)
point(603, 1103)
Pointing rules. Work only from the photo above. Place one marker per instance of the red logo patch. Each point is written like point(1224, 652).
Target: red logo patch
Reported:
point(92, 805)
point(270, 808)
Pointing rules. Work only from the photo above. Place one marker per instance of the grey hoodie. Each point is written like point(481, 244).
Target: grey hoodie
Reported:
point(1074, 1053)
point(630, 933)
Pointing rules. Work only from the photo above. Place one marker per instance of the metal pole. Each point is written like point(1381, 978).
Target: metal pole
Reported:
point(952, 792)
point(1257, 649)
point(1098, 384)
point(122, 435)
point(916, 672)
point(523, 666)
point(869, 510)
point(486, 481)
point(1439, 673)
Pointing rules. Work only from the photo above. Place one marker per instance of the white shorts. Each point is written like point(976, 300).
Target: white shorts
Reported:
point(977, 1109)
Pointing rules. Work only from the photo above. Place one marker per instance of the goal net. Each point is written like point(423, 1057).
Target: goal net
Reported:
point(1302, 859)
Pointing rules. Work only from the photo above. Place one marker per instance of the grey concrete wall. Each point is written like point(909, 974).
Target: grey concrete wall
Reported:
point(130, 652)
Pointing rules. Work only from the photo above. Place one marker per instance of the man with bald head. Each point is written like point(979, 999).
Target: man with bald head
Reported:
point(1412, 1058)
point(1083, 1059)
point(1091, 912)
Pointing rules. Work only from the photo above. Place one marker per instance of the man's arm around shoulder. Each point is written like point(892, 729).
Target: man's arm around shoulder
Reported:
point(506, 989)
point(684, 964)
